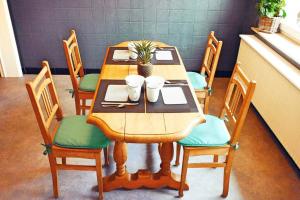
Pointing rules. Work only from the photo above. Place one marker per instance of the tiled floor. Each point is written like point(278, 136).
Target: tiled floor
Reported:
point(260, 169)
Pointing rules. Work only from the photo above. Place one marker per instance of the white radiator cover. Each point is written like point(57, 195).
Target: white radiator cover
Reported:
point(277, 94)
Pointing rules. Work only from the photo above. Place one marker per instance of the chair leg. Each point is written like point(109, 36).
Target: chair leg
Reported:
point(83, 106)
point(64, 160)
point(106, 156)
point(206, 102)
point(186, 154)
point(177, 154)
point(99, 175)
point(227, 171)
point(216, 159)
point(53, 169)
point(77, 104)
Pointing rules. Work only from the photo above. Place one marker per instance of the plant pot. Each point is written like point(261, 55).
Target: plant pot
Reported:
point(269, 25)
point(145, 70)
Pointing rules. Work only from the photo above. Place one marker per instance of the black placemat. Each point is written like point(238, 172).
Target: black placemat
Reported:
point(157, 107)
point(160, 107)
point(175, 61)
point(98, 108)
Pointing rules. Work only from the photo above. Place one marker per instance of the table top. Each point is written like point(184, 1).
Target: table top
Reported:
point(145, 127)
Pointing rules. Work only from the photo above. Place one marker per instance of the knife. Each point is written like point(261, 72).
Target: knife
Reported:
point(117, 103)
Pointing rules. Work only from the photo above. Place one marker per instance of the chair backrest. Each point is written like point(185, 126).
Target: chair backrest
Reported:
point(237, 101)
point(44, 101)
point(211, 58)
point(73, 58)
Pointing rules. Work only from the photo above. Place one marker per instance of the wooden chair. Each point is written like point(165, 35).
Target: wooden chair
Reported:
point(202, 83)
point(213, 138)
point(84, 87)
point(66, 136)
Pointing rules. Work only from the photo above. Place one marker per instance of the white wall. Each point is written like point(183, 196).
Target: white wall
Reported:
point(276, 97)
point(9, 56)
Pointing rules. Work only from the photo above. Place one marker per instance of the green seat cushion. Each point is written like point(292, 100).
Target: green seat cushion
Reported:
point(198, 81)
point(89, 82)
point(211, 133)
point(75, 132)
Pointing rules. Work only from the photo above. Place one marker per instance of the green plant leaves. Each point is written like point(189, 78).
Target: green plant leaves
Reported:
point(271, 8)
point(144, 50)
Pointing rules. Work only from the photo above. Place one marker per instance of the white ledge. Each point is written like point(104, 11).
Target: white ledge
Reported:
point(285, 68)
point(282, 44)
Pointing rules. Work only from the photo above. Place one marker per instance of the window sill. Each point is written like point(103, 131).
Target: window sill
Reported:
point(290, 31)
point(282, 65)
point(280, 43)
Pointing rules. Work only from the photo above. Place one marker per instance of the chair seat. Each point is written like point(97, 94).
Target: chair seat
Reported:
point(211, 133)
point(75, 132)
point(198, 81)
point(89, 82)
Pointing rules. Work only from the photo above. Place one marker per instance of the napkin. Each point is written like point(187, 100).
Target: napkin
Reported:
point(173, 95)
point(116, 93)
point(121, 55)
point(164, 55)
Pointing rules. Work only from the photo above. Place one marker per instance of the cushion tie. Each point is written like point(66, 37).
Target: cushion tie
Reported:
point(209, 89)
point(71, 91)
point(225, 118)
point(235, 146)
point(48, 148)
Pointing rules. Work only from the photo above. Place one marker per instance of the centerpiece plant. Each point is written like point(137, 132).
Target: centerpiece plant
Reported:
point(270, 14)
point(144, 50)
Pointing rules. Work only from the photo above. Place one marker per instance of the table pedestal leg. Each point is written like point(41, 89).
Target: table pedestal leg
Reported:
point(166, 155)
point(142, 178)
point(120, 177)
point(120, 156)
point(171, 180)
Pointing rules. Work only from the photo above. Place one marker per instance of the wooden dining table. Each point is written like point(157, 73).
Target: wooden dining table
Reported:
point(147, 123)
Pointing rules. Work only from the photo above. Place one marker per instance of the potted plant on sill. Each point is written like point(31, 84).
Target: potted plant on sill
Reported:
point(144, 51)
point(270, 14)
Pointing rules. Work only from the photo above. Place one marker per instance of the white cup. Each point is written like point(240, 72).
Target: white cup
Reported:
point(132, 50)
point(152, 94)
point(154, 84)
point(134, 84)
point(134, 93)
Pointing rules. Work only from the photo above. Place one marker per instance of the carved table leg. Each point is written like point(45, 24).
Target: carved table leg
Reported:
point(166, 154)
point(120, 178)
point(159, 151)
point(142, 178)
point(120, 156)
point(168, 178)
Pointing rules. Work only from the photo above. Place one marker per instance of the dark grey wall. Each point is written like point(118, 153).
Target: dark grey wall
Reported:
point(40, 26)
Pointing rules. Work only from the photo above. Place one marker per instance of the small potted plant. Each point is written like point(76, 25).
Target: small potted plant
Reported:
point(270, 14)
point(144, 51)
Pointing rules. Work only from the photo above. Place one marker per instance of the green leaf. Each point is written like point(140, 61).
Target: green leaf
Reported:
point(271, 8)
point(283, 13)
point(144, 51)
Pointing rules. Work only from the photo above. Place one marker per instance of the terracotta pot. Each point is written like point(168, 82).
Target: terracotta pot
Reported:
point(145, 70)
point(269, 25)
